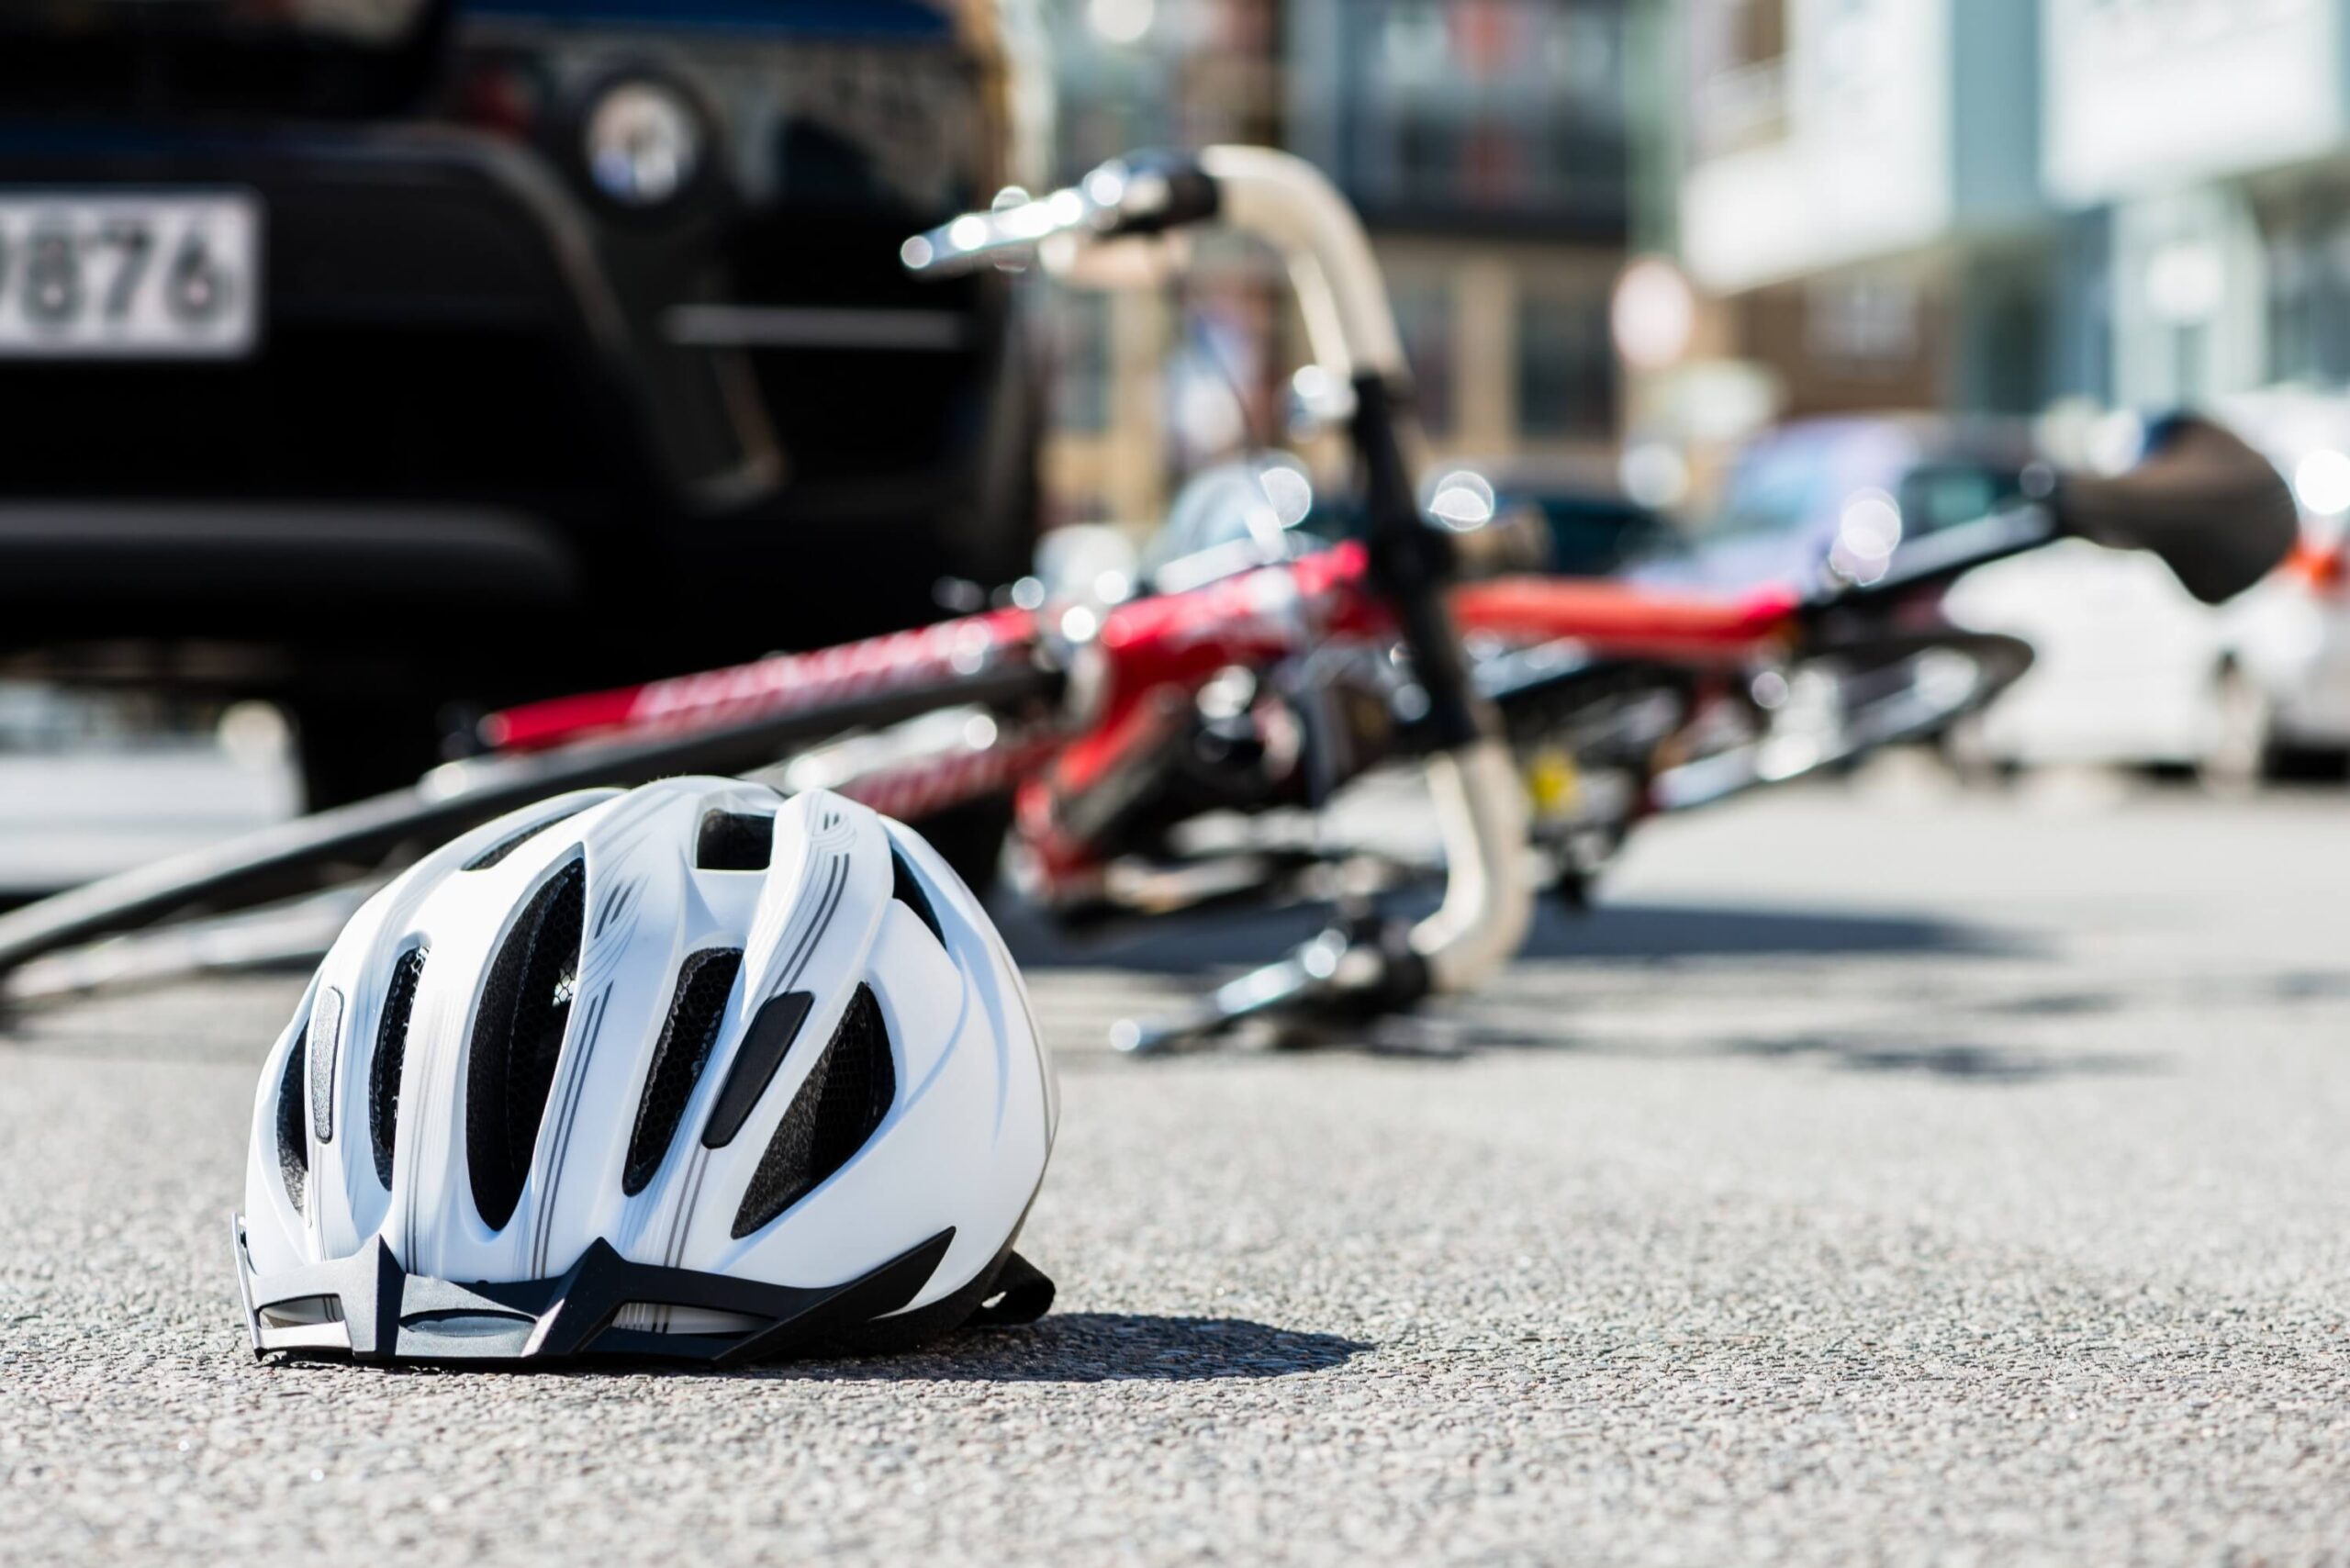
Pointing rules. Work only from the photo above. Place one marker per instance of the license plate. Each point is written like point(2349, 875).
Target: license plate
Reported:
point(170, 275)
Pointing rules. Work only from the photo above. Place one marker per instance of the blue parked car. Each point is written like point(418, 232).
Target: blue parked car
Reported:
point(1795, 490)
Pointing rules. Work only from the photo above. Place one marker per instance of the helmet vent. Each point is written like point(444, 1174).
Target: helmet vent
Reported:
point(293, 1135)
point(735, 841)
point(519, 837)
point(391, 1052)
point(517, 1039)
point(908, 892)
point(703, 986)
point(845, 1098)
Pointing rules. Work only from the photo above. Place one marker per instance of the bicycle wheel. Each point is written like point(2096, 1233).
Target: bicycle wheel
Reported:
point(1842, 700)
point(336, 845)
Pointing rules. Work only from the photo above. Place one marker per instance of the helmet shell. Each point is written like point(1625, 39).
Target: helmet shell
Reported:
point(693, 1028)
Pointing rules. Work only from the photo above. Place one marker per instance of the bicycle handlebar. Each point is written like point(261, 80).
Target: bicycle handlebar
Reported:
point(1289, 205)
point(1142, 194)
point(2208, 506)
point(1279, 198)
point(2216, 512)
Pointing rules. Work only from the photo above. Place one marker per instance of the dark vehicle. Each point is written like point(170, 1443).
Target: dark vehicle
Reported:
point(1588, 527)
point(1594, 529)
point(1800, 494)
point(387, 357)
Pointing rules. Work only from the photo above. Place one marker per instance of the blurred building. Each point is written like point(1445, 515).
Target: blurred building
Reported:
point(2198, 153)
point(1995, 204)
point(1981, 205)
point(1136, 74)
point(1861, 188)
point(1485, 141)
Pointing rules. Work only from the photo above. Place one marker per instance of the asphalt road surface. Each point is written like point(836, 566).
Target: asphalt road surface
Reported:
point(1899, 1181)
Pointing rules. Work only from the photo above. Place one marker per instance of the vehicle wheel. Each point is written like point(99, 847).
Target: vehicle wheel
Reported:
point(2243, 752)
point(352, 748)
point(2308, 764)
point(998, 543)
point(970, 839)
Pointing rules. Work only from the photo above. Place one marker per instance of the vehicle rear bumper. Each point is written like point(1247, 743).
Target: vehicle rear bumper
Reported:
point(460, 400)
point(434, 321)
point(2295, 645)
point(475, 601)
point(2312, 709)
point(147, 557)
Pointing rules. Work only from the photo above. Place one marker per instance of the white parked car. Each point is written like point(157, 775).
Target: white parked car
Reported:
point(2131, 670)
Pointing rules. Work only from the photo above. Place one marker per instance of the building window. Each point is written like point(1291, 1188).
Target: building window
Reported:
point(1509, 110)
point(1862, 325)
point(1566, 368)
point(1424, 316)
point(2306, 237)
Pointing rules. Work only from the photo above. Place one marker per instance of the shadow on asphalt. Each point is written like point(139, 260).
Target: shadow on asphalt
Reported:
point(1706, 931)
point(1208, 943)
point(1105, 1347)
point(1098, 1346)
point(1438, 1038)
point(1064, 1347)
point(1965, 1060)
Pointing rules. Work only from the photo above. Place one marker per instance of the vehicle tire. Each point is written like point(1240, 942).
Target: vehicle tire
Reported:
point(2308, 764)
point(355, 746)
point(2244, 751)
point(997, 544)
point(970, 838)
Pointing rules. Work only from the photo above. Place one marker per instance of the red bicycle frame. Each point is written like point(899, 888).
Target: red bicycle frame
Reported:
point(1253, 618)
point(1133, 671)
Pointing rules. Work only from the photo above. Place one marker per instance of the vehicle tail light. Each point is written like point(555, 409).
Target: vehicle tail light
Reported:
point(2322, 566)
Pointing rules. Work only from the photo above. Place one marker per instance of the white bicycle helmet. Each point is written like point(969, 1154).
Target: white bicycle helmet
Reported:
point(690, 1071)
